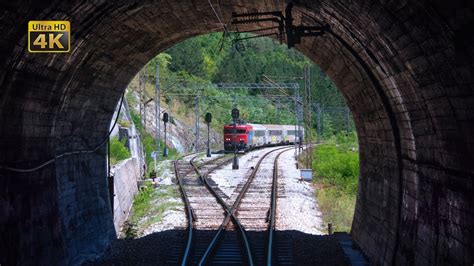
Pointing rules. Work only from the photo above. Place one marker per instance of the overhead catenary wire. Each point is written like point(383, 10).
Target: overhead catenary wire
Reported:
point(50, 161)
point(218, 18)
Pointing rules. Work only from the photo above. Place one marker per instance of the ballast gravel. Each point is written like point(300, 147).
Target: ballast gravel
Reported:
point(297, 207)
point(299, 223)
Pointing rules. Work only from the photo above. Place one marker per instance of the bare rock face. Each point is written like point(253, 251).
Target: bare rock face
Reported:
point(181, 134)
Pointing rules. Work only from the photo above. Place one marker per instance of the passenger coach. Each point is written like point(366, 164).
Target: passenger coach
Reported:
point(250, 136)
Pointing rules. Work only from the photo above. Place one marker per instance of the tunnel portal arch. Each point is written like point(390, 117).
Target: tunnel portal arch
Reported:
point(404, 68)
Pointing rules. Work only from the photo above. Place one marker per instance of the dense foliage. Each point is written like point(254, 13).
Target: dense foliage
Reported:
point(188, 70)
point(118, 151)
point(214, 58)
point(336, 167)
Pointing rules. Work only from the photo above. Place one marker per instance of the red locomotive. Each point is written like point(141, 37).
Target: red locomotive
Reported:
point(237, 135)
point(249, 136)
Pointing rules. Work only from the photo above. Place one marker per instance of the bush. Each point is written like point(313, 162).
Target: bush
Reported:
point(118, 151)
point(136, 120)
point(336, 168)
point(124, 123)
point(347, 139)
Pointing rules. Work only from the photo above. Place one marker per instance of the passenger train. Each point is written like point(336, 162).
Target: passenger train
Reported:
point(250, 136)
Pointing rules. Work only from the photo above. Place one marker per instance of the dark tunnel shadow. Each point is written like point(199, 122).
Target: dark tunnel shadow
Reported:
point(167, 247)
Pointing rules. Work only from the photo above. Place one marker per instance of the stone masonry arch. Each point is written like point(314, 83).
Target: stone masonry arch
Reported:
point(405, 69)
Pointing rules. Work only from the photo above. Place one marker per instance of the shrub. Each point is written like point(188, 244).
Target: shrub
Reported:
point(136, 120)
point(336, 168)
point(118, 151)
point(124, 123)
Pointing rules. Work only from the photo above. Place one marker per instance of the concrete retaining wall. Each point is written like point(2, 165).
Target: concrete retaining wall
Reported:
point(126, 175)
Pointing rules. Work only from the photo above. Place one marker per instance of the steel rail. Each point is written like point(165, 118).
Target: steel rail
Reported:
point(272, 215)
point(189, 210)
point(231, 215)
point(189, 214)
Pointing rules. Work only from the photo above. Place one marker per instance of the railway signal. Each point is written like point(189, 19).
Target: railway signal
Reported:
point(165, 120)
point(235, 115)
point(208, 120)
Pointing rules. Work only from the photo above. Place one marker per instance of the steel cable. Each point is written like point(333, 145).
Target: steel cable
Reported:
point(48, 162)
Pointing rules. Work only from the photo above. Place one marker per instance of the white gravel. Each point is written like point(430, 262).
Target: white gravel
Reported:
point(227, 178)
point(175, 217)
point(298, 209)
point(165, 172)
point(202, 158)
point(172, 219)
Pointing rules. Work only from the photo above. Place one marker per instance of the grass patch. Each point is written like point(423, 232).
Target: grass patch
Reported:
point(149, 205)
point(337, 207)
point(142, 202)
point(336, 168)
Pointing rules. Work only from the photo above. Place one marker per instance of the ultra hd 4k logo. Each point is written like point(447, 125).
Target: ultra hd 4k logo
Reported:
point(49, 36)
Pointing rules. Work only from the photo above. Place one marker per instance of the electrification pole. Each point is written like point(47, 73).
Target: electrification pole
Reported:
point(348, 127)
point(157, 111)
point(145, 101)
point(141, 97)
point(296, 122)
point(197, 124)
point(308, 117)
point(319, 133)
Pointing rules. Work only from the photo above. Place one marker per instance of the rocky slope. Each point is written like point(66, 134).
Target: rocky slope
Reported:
point(180, 129)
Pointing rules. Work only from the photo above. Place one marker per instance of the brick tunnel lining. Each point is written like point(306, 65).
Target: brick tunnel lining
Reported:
point(405, 81)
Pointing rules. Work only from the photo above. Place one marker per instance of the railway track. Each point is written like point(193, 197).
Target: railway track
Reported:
point(254, 209)
point(201, 209)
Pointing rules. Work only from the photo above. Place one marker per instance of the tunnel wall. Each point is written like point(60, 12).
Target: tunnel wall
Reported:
point(404, 67)
point(126, 176)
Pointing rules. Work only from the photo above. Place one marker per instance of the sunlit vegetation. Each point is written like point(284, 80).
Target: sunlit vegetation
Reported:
point(118, 151)
point(211, 58)
point(336, 168)
point(149, 143)
point(149, 205)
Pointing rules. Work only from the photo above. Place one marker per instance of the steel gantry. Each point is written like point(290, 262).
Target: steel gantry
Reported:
point(281, 87)
point(288, 97)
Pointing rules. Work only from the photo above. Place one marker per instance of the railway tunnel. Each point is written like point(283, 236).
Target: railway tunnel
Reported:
point(405, 69)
